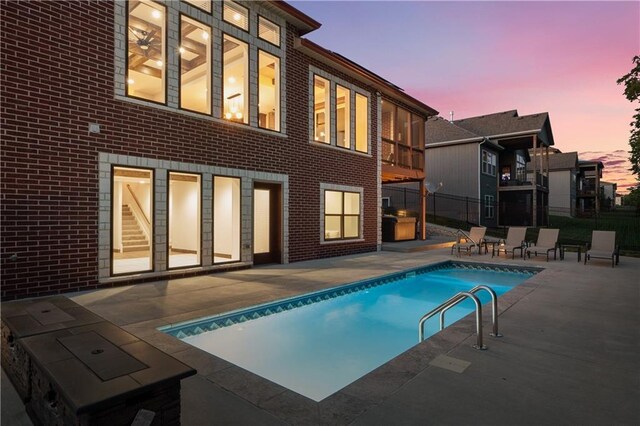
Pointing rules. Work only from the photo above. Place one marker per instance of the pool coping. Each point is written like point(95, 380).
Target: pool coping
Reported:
point(345, 405)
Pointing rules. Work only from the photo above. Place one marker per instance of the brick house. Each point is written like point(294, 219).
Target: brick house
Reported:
point(156, 139)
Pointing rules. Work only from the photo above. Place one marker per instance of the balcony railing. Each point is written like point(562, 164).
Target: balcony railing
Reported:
point(541, 180)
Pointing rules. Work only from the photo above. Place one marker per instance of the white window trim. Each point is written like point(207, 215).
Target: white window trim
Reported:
point(491, 164)
point(353, 89)
point(343, 188)
point(489, 202)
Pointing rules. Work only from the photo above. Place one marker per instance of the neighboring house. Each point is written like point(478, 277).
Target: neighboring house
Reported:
point(485, 158)
point(563, 171)
point(588, 187)
point(145, 140)
point(608, 195)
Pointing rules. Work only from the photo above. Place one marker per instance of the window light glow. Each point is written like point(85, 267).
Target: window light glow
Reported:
point(130, 81)
point(181, 50)
point(156, 14)
point(237, 17)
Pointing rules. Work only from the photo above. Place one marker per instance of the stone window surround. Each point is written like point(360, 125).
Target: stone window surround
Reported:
point(218, 27)
point(343, 188)
point(333, 82)
point(161, 170)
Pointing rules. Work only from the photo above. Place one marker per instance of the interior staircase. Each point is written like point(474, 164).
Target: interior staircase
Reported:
point(133, 239)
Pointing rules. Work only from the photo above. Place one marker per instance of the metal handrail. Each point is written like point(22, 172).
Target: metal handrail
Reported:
point(494, 308)
point(454, 301)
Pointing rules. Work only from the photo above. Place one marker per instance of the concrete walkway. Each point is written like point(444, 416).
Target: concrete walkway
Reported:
point(570, 352)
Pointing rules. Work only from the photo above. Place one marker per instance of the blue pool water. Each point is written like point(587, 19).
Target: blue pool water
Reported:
point(319, 343)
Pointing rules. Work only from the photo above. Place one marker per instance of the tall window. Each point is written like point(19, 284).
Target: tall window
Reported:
point(488, 163)
point(521, 168)
point(343, 114)
point(404, 120)
point(195, 65)
point(489, 206)
point(132, 224)
point(184, 220)
point(146, 52)
point(341, 215)
point(362, 126)
point(235, 79)
point(235, 14)
point(402, 137)
point(268, 31)
point(226, 219)
point(268, 91)
point(321, 105)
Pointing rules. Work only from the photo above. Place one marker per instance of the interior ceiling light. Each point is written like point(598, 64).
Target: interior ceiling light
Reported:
point(181, 50)
point(237, 17)
point(156, 14)
point(159, 63)
point(232, 79)
point(130, 81)
point(205, 35)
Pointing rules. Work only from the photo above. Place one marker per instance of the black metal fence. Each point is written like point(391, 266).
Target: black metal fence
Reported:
point(463, 212)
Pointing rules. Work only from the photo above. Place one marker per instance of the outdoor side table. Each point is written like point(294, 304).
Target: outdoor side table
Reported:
point(32, 317)
point(490, 243)
point(578, 248)
point(100, 374)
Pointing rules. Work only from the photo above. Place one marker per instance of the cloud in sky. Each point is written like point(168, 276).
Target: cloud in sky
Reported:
point(616, 167)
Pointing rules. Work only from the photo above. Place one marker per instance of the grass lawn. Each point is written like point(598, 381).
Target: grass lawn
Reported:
point(576, 230)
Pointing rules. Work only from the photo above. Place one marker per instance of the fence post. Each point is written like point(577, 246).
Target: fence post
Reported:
point(466, 199)
point(434, 207)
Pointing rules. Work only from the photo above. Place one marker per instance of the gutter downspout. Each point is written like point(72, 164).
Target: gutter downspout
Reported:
point(479, 163)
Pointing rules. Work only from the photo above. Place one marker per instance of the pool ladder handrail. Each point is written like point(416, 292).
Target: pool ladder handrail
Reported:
point(457, 298)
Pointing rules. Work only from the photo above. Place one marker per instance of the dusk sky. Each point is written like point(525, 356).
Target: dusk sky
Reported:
point(481, 57)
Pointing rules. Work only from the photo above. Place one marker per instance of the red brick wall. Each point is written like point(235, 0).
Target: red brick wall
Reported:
point(57, 77)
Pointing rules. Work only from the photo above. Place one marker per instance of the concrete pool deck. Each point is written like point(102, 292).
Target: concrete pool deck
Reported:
point(570, 352)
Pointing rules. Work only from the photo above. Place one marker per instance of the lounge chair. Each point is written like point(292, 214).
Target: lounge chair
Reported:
point(547, 242)
point(514, 241)
point(603, 246)
point(474, 239)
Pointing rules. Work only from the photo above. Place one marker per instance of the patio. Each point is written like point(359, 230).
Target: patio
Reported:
point(570, 352)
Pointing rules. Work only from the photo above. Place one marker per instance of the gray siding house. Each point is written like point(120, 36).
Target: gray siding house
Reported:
point(563, 172)
point(485, 159)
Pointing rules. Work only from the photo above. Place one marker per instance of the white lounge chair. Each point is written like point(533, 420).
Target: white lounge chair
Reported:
point(603, 246)
point(474, 239)
point(547, 242)
point(514, 241)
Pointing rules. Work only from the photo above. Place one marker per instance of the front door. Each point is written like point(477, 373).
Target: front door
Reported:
point(267, 233)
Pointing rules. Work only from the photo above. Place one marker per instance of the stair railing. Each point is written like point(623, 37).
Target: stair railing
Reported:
point(140, 215)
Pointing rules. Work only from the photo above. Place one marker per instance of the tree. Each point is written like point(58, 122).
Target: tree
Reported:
point(631, 82)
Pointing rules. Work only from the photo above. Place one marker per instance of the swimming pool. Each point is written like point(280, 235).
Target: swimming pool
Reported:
point(318, 343)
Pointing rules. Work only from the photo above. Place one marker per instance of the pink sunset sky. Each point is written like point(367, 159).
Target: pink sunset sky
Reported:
point(475, 58)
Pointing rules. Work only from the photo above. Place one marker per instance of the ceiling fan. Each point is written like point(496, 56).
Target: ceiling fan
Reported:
point(145, 42)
